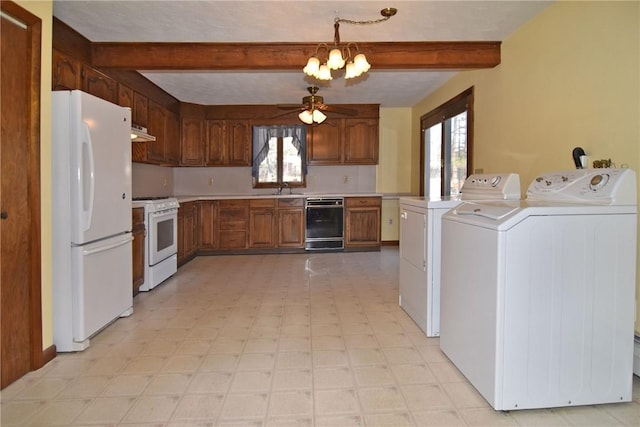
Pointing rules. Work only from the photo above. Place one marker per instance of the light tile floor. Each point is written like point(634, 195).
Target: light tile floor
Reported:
point(273, 340)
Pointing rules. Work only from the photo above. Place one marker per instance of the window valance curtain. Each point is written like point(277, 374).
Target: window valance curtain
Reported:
point(262, 135)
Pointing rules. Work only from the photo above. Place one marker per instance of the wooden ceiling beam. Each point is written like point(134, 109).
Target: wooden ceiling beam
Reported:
point(290, 56)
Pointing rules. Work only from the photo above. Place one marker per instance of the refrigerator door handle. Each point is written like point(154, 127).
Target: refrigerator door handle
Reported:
point(88, 169)
point(128, 238)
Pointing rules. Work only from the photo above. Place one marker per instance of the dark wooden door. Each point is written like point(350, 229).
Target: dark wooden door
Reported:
point(20, 306)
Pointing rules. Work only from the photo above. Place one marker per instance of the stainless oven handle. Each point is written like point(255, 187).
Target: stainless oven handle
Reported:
point(325, 207)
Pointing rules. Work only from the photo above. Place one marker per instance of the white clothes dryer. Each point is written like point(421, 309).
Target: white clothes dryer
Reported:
point(420, 220)
point(537, 296)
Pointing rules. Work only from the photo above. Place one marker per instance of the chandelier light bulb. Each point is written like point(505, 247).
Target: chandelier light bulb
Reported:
point(324, 73)
point(335, 61)
point(313, 66)
point(360, 61)
point(350, 71)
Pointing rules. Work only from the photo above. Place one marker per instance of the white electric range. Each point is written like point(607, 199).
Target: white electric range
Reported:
point(161, 239)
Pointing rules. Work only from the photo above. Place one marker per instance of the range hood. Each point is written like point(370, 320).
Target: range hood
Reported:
point(139, 134)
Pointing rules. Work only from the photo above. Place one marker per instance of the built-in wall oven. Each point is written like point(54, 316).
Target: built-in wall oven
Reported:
point(324, 223)
point(161, 239)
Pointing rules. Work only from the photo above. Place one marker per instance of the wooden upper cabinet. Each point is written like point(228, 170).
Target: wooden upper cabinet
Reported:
point(66, 72)
point(216, 133)
point(98, 84)
point(228, 143)
point(343, 141)
point(172, 139)
point(239, 143)
point(191, 141)
point(125, 97)
point(361, 141)
point(156, 127)
point(325, 142)
point(140, 114)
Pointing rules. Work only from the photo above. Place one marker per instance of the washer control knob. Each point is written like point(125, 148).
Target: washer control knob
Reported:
point(598, 181)
point(495, 181)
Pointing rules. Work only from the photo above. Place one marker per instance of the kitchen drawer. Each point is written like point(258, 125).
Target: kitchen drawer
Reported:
point(290, 202)
point(352, 202)
point(233, 203)
point(262, 203)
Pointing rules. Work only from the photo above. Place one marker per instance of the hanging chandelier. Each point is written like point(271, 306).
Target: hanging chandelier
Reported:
point(337, 56)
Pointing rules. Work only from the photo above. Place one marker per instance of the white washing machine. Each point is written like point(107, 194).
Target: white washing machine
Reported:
point(538, 296)
point(420, 244)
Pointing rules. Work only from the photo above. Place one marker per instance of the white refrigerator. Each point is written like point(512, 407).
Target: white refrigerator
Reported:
point(91, 177)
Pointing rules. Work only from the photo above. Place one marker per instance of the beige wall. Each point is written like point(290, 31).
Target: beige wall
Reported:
point(44, 10)
point(569, 77)
point(395, 168)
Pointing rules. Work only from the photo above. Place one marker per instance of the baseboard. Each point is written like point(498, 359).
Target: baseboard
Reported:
point(48, 354)
point(390, 243)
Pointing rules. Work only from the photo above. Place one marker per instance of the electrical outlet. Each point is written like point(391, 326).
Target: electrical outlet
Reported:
point(210, 181)
point(346, 179)
point(164, 182)
point(390, 221)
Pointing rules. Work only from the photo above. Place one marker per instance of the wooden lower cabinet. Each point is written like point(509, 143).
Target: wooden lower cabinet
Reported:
point(187, 216)
point(362, 222)
point(138, 232)
point(233, 218)
point(207, 225)
point(262, 224)
point(267, 225)
point(291, 223)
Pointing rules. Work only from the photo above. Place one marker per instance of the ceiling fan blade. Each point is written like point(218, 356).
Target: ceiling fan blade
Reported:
point(289, 111)
point(337, 109)
point(291, 106)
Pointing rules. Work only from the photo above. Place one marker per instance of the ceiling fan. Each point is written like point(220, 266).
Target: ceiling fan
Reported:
point(312, 107)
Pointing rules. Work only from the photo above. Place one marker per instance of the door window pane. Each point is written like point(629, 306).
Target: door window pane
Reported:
point(433, 142)
point(458, 158)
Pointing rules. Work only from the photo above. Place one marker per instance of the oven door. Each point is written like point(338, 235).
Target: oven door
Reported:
point(324, 224)
point(162, 235)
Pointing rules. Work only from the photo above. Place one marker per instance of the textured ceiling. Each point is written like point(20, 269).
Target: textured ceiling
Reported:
point(295, 21)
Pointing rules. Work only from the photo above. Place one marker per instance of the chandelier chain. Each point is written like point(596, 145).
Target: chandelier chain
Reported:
point(367, 22)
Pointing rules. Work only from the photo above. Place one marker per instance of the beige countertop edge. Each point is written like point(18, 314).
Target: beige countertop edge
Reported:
point(185, 199)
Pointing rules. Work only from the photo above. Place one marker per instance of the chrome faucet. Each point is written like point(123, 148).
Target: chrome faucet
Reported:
point(283, 185)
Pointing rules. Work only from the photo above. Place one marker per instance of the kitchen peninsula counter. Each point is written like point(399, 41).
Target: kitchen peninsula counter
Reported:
point(267, 223)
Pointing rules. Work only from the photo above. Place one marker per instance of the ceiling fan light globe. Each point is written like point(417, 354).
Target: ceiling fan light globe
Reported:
point(306, 117)
point(312, 67)
point(318, 116)
point(335, 60)
point(324, 73)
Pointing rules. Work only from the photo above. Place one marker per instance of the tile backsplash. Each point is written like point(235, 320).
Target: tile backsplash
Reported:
point(150, 180)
